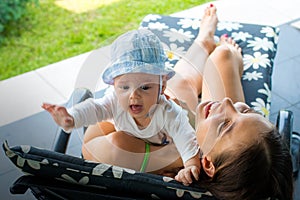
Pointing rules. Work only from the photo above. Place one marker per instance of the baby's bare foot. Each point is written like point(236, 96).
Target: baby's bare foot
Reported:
point(207, 29)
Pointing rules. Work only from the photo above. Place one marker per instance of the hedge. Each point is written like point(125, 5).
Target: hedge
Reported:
point(12, 11)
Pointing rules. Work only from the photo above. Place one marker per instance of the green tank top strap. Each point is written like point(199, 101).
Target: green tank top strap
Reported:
point(146, 157)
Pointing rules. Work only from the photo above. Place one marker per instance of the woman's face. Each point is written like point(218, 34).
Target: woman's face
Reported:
point(223, 125)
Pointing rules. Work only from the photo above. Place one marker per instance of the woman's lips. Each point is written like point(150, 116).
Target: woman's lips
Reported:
point(207, 108)
point(135, 109)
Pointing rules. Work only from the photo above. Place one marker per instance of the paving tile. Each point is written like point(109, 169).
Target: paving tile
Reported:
point(286, 82)
point(253, 12)
point(23, 95)
point(89, 75)
point(288, 45)
point(283, 52)
point(281, 55)
point(6, 165)
point(288, 8)
point(62, 75)
point(267, 12)
point(80, 71)
point(296, 24)
point(74, 150)
point(297, 59)
point(38, 130)
point(297, 105)
point(194, 12)
point(10, 178)
point(53, 84)
point(75, 143)
point(278, 103)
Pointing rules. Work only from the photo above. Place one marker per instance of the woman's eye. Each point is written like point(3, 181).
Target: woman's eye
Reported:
point(246, 110)
point(250, 110)
point(223, 126)
point(145, 87)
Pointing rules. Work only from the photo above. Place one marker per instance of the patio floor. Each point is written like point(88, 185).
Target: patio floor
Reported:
point(22, 121)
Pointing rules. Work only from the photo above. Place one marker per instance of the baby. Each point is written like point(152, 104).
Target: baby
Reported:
point(138, 105)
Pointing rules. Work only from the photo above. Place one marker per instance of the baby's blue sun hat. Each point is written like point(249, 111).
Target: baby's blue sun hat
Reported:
point(137, 51)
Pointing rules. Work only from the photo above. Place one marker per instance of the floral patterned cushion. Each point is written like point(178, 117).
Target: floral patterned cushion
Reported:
point(258, 45)
point(48, 164)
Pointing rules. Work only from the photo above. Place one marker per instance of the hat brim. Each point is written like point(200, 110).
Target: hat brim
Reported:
point(118, 69)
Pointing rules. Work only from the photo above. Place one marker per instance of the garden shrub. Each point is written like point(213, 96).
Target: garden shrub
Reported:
point(12, 11)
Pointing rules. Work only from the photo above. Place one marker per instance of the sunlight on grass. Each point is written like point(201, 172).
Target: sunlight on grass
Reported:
point(81, 6)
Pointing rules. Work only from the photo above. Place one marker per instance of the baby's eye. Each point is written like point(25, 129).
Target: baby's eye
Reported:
point(145, 87)
point(124, 87)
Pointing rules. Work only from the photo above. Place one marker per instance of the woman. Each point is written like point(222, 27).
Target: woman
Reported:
point(242, 155)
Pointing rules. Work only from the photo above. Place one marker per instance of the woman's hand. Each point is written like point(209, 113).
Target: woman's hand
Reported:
point(60, 116)
point(188, 174)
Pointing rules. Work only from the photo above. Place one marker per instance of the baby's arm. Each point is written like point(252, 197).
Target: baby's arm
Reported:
point(60, 116)
point(190, 171)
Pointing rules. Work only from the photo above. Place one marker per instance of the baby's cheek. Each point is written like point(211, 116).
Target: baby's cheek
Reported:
point(124, 103)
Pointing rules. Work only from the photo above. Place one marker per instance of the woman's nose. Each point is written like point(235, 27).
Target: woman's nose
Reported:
point(228, 105)
point(226, 100)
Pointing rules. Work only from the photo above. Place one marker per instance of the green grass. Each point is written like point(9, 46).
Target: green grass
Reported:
point(49, 33)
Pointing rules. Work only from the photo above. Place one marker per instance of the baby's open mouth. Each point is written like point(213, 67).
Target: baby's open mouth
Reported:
point(136, 108)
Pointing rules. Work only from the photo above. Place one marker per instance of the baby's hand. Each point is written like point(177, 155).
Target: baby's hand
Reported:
point(187, 174)
point(60, 115)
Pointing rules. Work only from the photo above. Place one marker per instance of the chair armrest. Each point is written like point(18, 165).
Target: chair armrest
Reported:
point(284, 125)
point(62, 138)
point(295, 152)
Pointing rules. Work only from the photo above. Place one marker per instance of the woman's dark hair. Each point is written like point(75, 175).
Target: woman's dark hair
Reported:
point(259, 171)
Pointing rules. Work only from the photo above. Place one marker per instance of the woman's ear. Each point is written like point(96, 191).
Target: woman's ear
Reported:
point(208, 166)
